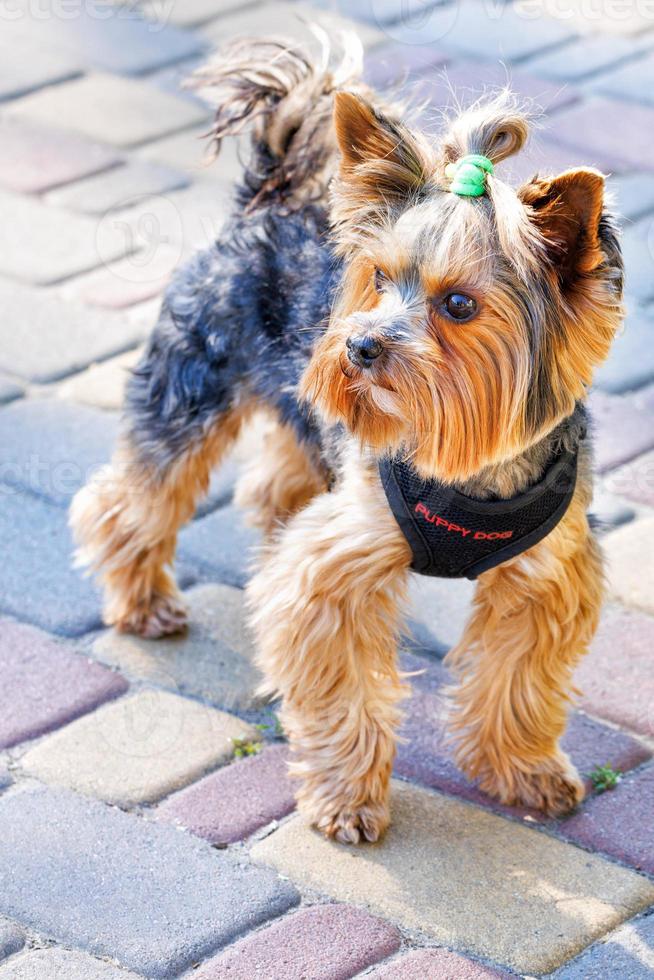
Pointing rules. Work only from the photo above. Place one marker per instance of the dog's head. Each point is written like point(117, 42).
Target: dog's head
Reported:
point(466, 326)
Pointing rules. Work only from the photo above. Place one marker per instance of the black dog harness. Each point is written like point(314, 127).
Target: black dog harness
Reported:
point(454, 536)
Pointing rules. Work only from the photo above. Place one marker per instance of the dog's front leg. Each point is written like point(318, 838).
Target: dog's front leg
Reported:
point(326, 609)
point(533, 620)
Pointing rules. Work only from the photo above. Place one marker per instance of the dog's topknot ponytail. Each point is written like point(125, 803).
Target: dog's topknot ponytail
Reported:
point(496, 128)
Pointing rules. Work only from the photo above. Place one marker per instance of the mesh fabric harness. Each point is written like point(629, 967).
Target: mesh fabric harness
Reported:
point(454, 536)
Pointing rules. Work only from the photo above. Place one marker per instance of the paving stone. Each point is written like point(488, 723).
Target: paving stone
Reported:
point(465, 80)
point(117, 39)
point(50, 338)
point(607, 510)
point(5, 777)
point(584, 58)
point(83, 873)
point(36, 158)
point(119, 187)
point(25, 67)
point(435, 964)
point(612, 132)
point(189, 152)
point(121, 111)
point(134, 279)
point(617, 20)
point(61, 964)
point(335, 941)
point(615, 678)
point(438, 611)
point(288, 20)
point(45, 685)
point(42, 244)
point(392, 63)
point(627, 953)
point(425, 754)
point(9, 390)
point(635, 480)
point(618, 822)
point(622, 426)
point(221, 546)
point(629, 552)
point(38, 583)
point(101, 385)
point(190, 13)
point(634, 194)
point(542, 156)
point(11, 940)
point(481, 30)
point(213, 660)
point(232, 803)
point(631, 81)
point(638, 254)
point(51, 447)
point(137, 749)
point(469, 879)
point(630, 362)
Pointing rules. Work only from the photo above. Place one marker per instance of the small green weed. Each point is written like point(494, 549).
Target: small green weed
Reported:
point(244, 747)
point(604, 777)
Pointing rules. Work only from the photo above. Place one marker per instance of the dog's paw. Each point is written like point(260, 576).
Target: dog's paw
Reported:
point(354, 825)
point(164, 616)
point(555, 788)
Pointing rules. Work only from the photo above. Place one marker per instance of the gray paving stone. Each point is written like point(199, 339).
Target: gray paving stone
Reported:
point(9, 390)
point(583, 58)
point(392, 63)
point(213, 660)
point(101, 385)
point(638, 254)
point(11, 939)
point(189, 13)
point(44, 338)
point(634, 81)
point(25, 67)
point(119, 187)
point(35, 158)
point(220, 546)
point(438, 611)
point(121, 111)
point(45, 684)
point(115, 885)
point(630, 363)
point(612, 132)
point(42, 244)
point(50, 446)
point(491, 31)
point(609, 510)
point(139, 277)
point(622, 426)
point(634, 194)
point(37, 581)
point(61, 964)
point(627, 954)
point(116, 38)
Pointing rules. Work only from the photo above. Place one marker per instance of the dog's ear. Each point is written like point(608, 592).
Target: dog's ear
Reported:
point(567, 210)
point(378, 154)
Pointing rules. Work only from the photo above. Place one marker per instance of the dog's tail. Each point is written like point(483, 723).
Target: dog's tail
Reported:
point(282, 94)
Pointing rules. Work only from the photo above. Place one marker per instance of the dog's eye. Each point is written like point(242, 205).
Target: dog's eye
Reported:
point(381, 280)
point(459, 306)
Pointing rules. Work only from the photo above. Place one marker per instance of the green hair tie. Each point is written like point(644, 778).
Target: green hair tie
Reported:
point(468, 175)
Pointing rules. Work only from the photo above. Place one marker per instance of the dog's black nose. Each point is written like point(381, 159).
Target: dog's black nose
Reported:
point(362, 351)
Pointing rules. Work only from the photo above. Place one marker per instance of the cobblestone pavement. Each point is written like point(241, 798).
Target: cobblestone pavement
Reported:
point(146, 820)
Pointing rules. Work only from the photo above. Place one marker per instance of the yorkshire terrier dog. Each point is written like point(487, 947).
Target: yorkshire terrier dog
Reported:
point(423, 336)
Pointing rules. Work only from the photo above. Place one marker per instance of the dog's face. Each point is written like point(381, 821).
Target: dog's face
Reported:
point(465, 327)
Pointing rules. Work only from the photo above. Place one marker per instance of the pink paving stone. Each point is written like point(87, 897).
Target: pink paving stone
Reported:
point(35, 158)
point(619, 822)
point(232, 803)
point(43, 685)
point(435, 964)
point(623, 426)
point(615, 134)
point(394, 63)
point(426, 758)
point(635, 481)
point(617, 677)
point(324, 942)
point(134, 279)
